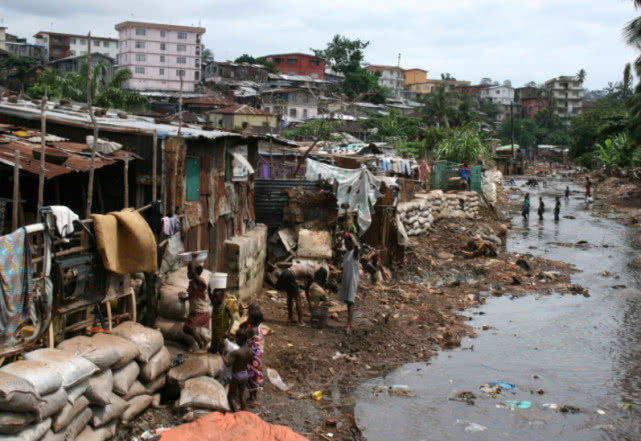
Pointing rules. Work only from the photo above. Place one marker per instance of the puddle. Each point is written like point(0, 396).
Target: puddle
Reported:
point(582, 352)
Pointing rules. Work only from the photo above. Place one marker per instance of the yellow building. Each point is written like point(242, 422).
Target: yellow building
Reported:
point(428, 86)
point(414, 76)
point(242, 117)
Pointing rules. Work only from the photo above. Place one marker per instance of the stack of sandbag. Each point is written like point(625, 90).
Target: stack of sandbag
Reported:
point(60, 380)
point(20, 406)
point(137, 381)
point(416, 216)
point(173, 309)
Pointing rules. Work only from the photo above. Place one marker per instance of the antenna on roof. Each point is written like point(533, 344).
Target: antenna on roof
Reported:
point(399, 59)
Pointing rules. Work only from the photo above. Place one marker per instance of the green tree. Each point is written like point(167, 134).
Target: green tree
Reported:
point(525, 133)
point(20, 68)
point(105, 93)
point(206, 55)
point(393, 127)
point(342, 54)
point(271, 67)
point(557, 137)
point(603, 120)
point(440, 107)
point(581, 75)
point(447, 77)
point(489, 110)
point(548, 120)
point(465, 144)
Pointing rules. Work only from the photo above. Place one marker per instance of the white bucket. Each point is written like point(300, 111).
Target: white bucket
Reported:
point(219, 280)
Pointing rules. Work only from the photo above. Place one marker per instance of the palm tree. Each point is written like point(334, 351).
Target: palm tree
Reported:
point(440, 106)
point(627, 79)
point(206, 55)
point(581, 74)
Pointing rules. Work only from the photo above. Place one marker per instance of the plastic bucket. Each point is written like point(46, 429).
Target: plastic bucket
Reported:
point(219, 280)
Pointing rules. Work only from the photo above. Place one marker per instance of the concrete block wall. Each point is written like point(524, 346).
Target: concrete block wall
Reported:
point(419, 214)
point(245, 262)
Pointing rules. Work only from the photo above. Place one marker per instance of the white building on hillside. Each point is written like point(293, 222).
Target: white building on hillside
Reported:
point(503, 98)
point(567, 94)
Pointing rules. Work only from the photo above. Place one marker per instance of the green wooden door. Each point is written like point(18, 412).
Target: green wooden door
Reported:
point(193, 178)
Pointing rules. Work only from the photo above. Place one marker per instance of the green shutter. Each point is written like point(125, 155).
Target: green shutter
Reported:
point(193, 178)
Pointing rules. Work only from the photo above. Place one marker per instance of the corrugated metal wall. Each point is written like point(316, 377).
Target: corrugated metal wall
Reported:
point(270, 200)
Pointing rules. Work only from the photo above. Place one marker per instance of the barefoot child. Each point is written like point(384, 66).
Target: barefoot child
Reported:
point(525, 211)
point(257, 344)
point(350, 278)
point(541, 209)
point(557, 208)
point(197, 323)
point(240, 360)
point(221, 316)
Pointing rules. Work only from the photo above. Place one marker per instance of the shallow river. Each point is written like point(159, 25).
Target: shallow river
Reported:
point(584, 352)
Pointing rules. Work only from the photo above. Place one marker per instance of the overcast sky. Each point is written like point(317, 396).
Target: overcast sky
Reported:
point(519, 40)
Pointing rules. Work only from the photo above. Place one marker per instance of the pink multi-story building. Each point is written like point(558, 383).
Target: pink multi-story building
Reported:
point(158, 55)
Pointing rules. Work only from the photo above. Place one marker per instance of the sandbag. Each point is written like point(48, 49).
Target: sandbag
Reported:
point(236, 426)
point(77, 391)
point(18, 394)
point(106, 414)
point(62, 419)
point(31, 433)
point(102, 355)
point(192, 367)
point(126, 350)
point(214, 364)
point(155, 402)
point(124, 377)
point(204, 393)
point(72, 368)
point(136, 406)
point(38, 373)
point(101, 434)
point(156, 385)
point(175, 331)
point(13, 422)
point(53, 404)
point(178, 278)
point(170, 303)
point(78, 424)
point(148, 341)
point(100, 387)
point(158, 365)
point(136, 389)
point(52, 436)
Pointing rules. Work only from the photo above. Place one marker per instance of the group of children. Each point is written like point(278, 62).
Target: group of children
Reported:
point(210, 325)
point(525, 211)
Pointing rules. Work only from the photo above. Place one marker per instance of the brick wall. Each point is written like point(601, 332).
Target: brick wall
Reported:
point(245, 262)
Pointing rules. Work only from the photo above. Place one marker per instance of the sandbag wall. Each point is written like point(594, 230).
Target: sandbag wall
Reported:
point(419, 214)
point(87, 385)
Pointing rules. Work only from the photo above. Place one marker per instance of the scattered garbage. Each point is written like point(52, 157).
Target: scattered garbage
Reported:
point(152, 435)
point(600, 411)
point(552, 406)
point(317, 395)
point(471, 426)
point(465, 397)
point(523, 264)
point(276, 380)
point(514, 404)
point(503, 385)
point(397, 390)
point(567, 408)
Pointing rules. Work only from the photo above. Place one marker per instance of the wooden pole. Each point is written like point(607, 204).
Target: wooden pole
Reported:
point(43, 135)
point(154, 165)
point(126, 177)
point(180, 107)
point(95, 130)
point(16, 190)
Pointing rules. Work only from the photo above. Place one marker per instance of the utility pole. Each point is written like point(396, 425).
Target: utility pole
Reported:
point(512, 126)
point(399, 59)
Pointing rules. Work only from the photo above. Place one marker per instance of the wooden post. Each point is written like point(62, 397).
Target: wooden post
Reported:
point(154, 165)
point(43, 135)
point(95, 130)
point(16, 190)
point(163, 177)
point(180, 107)
point(126, 177)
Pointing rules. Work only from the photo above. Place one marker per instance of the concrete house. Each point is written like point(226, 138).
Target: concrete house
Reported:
point(391, 78)
point(241, 116)
point(59, 45)
point(158, 55)
point(503, 97)
point(294, 105)
point(73, 64)
point(568, 93)
point(299, 64)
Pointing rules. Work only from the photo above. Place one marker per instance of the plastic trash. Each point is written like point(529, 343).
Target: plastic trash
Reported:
point(471, 426)
point(503, 385)
point(153, 435)
point(275, 379)
point(600, 411)
point(318, 395)
point(551, 406)
point(514, 404)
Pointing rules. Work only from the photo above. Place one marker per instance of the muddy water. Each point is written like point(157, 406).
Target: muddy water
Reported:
point(584, 352)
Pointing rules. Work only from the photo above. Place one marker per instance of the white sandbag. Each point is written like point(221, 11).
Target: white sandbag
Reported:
point(126, 350)
point(74, 369)
point(53, 404)
point(77, 391)
point(78, 424)
point(13, 422)
point(32, 433)
point(100, 387)
point(18, 394)
point(124, 377)
point(155, 402)
point(156, 385)
point(106, 414)
point(214, 364)
point(136, 389)
point(62, 419)
point(158, 365)
point(192, 367)
point(101, 434)
point(175, 331)
point(178, 278)
point(171, 304)
point(52, 436)
point(148, 341)
point(102, 355)
point(136, 406)
point(204, 393)
point(38, 373)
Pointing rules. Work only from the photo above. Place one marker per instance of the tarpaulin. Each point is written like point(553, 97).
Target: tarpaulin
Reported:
point(239, 426)
point(358, 189)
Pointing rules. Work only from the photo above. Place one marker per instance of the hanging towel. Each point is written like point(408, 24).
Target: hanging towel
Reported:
point(166, 226)
point(64, 219)
point(15, 282)
point(125, 242)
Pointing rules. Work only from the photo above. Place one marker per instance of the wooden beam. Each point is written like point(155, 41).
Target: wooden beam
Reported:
point(43, 135)
point(16, 190)
point(154, 165)
point(126, 178)
point(95, 130)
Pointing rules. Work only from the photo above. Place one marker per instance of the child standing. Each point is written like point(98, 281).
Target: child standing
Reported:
point(221, 316)
point(257, 344)
point(197, 323)
point(240, 360)
point(541, 209)
point(525, 211)
point(557, 208)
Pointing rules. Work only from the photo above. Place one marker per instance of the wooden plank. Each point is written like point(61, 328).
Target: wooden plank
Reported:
point(43, 135)
point(16, 190)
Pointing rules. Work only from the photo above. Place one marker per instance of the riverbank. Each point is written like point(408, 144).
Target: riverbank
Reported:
point(407, 319)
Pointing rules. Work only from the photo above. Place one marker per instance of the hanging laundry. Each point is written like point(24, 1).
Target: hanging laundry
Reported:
point(174, 225)
point(16, 273)
point(64, 219)
point(166, 226)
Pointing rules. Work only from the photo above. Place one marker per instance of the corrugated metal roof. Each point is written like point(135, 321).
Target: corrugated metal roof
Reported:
point(240, 109)
point(209, 101)
point(270, 199)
